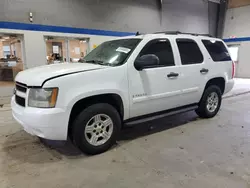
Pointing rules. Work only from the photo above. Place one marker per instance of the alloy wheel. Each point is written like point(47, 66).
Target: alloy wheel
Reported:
point(99, 129)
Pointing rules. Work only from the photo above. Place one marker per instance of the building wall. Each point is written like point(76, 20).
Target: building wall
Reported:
point(213, 9)
point(183, 15)
point(243, 67)
point(115, 15)
point(237, 22)
point(238, 3)
point(237, 25)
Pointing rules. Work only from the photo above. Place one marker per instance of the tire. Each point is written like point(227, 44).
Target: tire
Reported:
point(95, 121)
point(206, 108)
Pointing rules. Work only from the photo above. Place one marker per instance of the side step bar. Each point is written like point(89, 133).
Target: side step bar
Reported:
point(159, 115)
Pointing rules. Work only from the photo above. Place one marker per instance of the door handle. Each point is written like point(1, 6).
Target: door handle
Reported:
point(204, 71)
point(172, 75)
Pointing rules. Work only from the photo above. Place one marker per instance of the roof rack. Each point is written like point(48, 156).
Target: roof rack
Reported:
point(178, 32)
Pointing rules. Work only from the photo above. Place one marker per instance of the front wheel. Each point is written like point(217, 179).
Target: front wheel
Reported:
point(96, 128)
point(210, 102)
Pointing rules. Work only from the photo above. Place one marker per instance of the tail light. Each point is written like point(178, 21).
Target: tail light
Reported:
point(233, 69)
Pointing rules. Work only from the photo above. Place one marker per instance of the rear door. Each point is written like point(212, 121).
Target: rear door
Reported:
point(193, 68)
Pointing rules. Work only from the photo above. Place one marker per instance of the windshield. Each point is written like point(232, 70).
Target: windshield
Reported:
point(112, 53)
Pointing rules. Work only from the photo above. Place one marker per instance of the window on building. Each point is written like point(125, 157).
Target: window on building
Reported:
point(162, 49)
point(11, 59)
point(77, 49)
point(234, 51)
point(56, 50)
point(217, 50)
point(189, 51)
point(6, 51)
point(64, 49)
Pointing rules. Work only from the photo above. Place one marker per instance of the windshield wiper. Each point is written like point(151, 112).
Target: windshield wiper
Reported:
point(95, 62)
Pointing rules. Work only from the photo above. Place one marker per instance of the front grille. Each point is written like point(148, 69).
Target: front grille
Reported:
point(20, 101)
point(21, 87)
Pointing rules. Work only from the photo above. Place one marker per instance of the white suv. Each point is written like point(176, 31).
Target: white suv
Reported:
point(123, 81)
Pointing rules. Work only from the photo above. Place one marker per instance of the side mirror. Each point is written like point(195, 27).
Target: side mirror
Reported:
point(146, 61)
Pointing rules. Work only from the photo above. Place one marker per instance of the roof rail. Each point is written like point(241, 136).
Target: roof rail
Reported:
point(138, 33)
point(178, 32)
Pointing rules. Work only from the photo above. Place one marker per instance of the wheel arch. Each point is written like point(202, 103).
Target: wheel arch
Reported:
point(218, 81)
point(113, 99)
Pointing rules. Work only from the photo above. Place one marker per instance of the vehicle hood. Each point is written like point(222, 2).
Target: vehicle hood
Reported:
point(36, 76)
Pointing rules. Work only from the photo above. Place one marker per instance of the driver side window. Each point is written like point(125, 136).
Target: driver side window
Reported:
point(162, 49)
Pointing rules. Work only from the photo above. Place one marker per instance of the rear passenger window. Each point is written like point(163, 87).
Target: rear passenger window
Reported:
point(162, 49)
point(189, 51)
point(217, 50)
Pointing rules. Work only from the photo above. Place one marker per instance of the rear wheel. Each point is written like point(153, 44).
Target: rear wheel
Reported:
point(210, 102)
point(96, 128)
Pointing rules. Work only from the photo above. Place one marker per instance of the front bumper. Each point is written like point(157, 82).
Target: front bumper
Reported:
point(51, 123)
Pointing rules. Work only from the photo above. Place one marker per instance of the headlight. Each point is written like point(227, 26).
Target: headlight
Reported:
point(42, 98)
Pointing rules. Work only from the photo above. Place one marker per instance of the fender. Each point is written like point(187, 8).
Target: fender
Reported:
point(81, 96)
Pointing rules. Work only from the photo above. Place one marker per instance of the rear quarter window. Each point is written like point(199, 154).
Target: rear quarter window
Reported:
point(217, 50)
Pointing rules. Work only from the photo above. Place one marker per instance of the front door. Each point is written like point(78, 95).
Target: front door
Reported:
point(156, 88)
